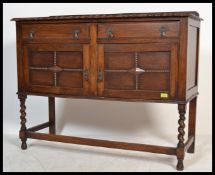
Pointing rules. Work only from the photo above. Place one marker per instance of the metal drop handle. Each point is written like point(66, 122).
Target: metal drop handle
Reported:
point(100, 75)
point(31, 35)
point(163, 31)
point(110, 33)
point(76, 34)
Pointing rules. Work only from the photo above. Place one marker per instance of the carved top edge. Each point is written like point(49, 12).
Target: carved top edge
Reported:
point(192, 14)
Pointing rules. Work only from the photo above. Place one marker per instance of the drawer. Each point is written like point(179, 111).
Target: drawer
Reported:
point(138, 30)
point(34, 32)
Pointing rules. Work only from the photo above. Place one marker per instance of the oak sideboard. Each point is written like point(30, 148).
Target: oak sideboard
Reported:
point(139, 57)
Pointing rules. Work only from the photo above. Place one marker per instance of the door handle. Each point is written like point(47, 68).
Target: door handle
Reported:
point(85, 74)
point(100, 75)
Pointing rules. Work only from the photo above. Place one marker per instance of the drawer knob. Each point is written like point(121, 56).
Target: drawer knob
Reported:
point(76, 34)
point(31, 35)
point(85, 74)
point(163, 31)
point(100, 75)
point(110, 33)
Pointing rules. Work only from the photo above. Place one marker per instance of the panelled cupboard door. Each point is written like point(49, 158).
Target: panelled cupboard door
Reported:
point(56, 68)
point(141, 71)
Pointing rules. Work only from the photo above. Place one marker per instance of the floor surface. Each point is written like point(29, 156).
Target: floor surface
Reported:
point(45, 156)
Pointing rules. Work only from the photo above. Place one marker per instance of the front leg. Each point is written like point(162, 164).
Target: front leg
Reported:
point(22, 132)
point(180, 147)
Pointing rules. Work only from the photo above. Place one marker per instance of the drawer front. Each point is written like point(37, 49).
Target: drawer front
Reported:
point(139, 71)
point(34, 32)
point(56, 69)
point(138, 30)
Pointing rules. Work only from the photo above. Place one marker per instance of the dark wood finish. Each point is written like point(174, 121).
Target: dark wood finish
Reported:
point(192, 14)
point(103, 143)
point(93, 60)
point(41, 59)
point(138, 71)
point(100, 68)
point(39, 127)
point(192, 123)
point(19, 52)
point(52, 115)
point(181, 146)
point(182, 61)
point(46, 80)
point(55, 31)
point(137, 30)
point(150, 57)
point(192, 57)
point(56, 68)
point(22, 132)
point(188, 143)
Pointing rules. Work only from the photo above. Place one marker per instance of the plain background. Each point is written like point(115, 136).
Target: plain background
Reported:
point(105, 119)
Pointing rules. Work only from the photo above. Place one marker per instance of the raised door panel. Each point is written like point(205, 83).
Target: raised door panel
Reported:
point(141, 71)
point(58, 69)
point(192, 46)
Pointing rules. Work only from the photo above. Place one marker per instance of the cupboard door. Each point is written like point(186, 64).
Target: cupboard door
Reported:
point(56, 68)
point(139, 71)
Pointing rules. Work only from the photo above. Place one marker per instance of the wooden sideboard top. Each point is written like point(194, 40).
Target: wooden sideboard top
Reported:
point(192, 14)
